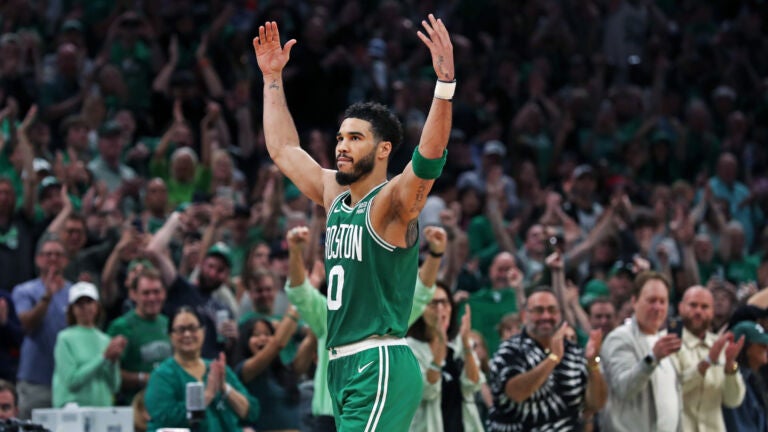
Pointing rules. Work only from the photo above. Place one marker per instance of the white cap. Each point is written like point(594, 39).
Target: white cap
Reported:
point(83, 289)
point(40, 164)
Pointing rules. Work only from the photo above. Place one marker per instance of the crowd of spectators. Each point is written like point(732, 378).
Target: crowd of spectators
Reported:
point(607, 169)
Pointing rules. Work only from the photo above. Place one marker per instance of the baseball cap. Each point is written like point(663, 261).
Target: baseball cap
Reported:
point(47, 183)
point(724, 91)
point(593, 290)
point(40, 164)
point(110, 128)
point(582, 170)
point(662, 135)
point(72, 24)
point(752, 332)
point(222, 250)
point(494, 147)
point(621, 267)
point(83, 289)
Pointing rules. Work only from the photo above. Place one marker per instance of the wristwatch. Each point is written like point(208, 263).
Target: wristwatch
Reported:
point(650, 360)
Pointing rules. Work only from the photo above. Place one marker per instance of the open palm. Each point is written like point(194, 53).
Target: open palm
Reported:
point(270, 56)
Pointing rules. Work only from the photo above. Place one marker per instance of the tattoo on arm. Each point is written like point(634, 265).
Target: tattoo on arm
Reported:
point(421, 195)
point(412, 233)
point(273, 85)
point(440, 61)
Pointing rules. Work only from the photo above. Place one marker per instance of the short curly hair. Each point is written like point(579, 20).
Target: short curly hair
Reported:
point(384, 123)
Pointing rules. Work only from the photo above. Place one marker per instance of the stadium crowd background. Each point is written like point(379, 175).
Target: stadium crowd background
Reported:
point(609, 136)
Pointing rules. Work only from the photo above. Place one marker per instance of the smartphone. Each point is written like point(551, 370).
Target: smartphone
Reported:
point(675, 326)
point(138, 224)
point(554, 244)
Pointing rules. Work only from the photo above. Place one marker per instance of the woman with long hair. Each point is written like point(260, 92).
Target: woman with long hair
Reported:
point(274, 383)
point(449, 367)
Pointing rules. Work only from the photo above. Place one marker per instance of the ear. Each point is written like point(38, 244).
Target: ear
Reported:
point(384, 149)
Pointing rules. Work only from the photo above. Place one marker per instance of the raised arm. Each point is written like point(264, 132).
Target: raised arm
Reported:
point(280, 132)
point(437, 241)
point(410, 190)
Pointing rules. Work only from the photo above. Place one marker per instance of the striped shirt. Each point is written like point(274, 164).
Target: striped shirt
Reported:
point(555, 406)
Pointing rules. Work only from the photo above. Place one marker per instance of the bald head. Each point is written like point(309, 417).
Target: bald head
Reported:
point(697, 310)
point(499, 269)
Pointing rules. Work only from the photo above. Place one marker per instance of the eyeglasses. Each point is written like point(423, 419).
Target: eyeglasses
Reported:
point(6, 407)
point(52, 254)
point(439, 302)
point(184, 329)
point(538, 310)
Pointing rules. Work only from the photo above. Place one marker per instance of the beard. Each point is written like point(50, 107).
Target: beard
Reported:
point(360, 169)
point(697, 326)
point(206, 284)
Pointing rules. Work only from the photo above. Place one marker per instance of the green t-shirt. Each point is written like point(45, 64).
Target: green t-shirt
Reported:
point(179, 193)
point(148, 342)
point(743, 270)
point(488, 308)
point(483, 243)
point(148, 345)
point(136, 65)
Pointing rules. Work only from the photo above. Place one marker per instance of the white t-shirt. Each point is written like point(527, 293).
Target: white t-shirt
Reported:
point(664, 382)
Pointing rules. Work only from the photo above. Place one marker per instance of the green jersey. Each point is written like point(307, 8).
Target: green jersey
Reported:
point(370, 282)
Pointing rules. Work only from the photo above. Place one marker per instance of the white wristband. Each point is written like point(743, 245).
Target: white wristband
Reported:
point(445, 89)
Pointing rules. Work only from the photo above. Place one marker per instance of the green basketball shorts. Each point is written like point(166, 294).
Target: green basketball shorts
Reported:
point(375, 385)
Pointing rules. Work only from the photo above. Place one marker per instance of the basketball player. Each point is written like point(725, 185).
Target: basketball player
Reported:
point(371, 251)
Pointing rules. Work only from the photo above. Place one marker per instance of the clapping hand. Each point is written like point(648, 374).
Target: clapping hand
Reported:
point(594, 343)
point(732, 351)
point(466, 324)
point(216, 376)
point(115, 348)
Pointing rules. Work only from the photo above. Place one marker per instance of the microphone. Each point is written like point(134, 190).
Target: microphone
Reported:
point(195, 401)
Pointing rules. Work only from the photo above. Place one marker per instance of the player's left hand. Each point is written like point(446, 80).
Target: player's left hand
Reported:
point(438, 41)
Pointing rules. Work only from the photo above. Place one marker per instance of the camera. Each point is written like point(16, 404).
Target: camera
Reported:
point(14, 425)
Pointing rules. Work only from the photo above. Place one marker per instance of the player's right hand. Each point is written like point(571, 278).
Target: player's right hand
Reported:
point(270, 56)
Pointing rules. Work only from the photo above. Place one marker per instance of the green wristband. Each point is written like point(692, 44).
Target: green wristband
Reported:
point(427, 169)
